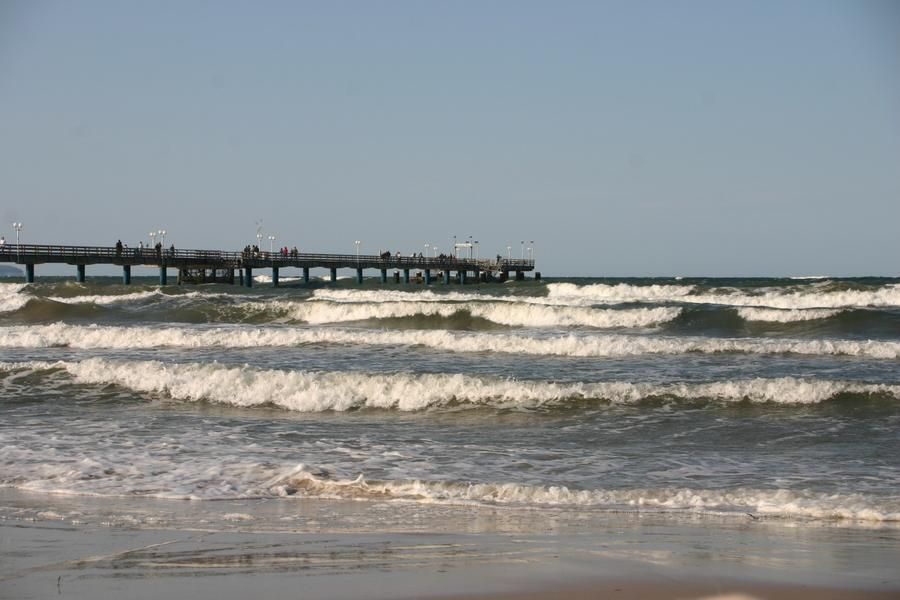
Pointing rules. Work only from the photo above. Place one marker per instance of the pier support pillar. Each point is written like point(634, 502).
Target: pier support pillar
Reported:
point(504, 276)
point(305, 274)
point(462, 277)
point(384, 276)
point(29, 273)
point(358, 274)
point(447, 277)
point(248, 277)
point(126, 274)
point(537, 275)
point(333, 275)
point(241, 277)
point(427, 277)
point(230, 276)
point(274, 276)
point(406, 276)
point(79, 273)
point(477, 276)
point(396, 276)
point(163, 275)
point(520, 275)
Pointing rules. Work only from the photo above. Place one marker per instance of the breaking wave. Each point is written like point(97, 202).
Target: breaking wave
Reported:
point(781, 315)
point(523, 315)
point(11, 298)
point(378, 296)
point(106, 299)
point(621, 292)
point(771, 503)
point(809, 298)
point(238, 477)
point(316, 391)
point(579, 345)
point(583, 309)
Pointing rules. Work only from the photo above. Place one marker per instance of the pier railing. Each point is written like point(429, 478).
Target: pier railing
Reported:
point(85, 255)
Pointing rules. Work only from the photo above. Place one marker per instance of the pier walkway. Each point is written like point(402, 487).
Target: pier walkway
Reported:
point(206, 266)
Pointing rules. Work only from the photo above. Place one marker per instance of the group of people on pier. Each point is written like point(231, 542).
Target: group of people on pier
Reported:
point(254, 252)
point(139, 251)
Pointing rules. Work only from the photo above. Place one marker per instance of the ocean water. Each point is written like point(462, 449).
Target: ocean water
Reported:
point(705, 398)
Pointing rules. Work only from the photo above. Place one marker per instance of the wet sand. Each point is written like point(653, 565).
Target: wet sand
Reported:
point(90, 548)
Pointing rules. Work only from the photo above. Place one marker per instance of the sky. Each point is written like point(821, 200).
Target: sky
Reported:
point(623, 138)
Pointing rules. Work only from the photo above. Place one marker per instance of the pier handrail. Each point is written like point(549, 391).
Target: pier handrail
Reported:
point(38, 253)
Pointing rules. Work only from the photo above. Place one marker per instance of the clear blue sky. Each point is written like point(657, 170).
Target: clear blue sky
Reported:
point(625, 138)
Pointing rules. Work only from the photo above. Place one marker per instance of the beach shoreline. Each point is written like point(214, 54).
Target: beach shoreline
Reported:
point(56, 545)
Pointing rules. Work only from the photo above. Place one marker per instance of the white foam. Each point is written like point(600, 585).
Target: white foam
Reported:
point(427, 295)
point(622, 292)
point(268, 279)
point(811, 297)
point(245, 473)
point(11, 297)
point(379, 296)
point(581, 345)
point(134, 297)
point(781, 315)
point(524, 315)
point(772, 503)
point(884, 297)
point(337, 278)
point(107, 299)
point(340, 391)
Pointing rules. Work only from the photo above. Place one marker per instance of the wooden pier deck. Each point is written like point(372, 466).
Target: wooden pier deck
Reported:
point(194, 265)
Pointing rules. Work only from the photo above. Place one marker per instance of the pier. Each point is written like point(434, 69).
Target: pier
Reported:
point(218, 266)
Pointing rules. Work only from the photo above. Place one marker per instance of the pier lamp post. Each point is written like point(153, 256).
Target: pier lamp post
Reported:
point(162, 237)
point(259, 237)
point(152, 235)
point(271, 245)
point(426, 249)
point(357, 242)
point(531, 250)
point(476, 249)
point(434, 251)
point(470, 247)
point(509, 253)
point(455, 252)
point(18, 227)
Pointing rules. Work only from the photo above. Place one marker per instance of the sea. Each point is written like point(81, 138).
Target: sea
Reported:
point(771, 399)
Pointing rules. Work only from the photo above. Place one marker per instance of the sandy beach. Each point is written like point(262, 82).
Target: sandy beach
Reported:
point(82, 548)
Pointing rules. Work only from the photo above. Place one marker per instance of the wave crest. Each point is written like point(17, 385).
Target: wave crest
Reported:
point(11, 298)
point(341, 391)
point(577, 345)
point(621, 292)
point(772, 503)
point(781, 315)
point(791, 299)
point(517, 315)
